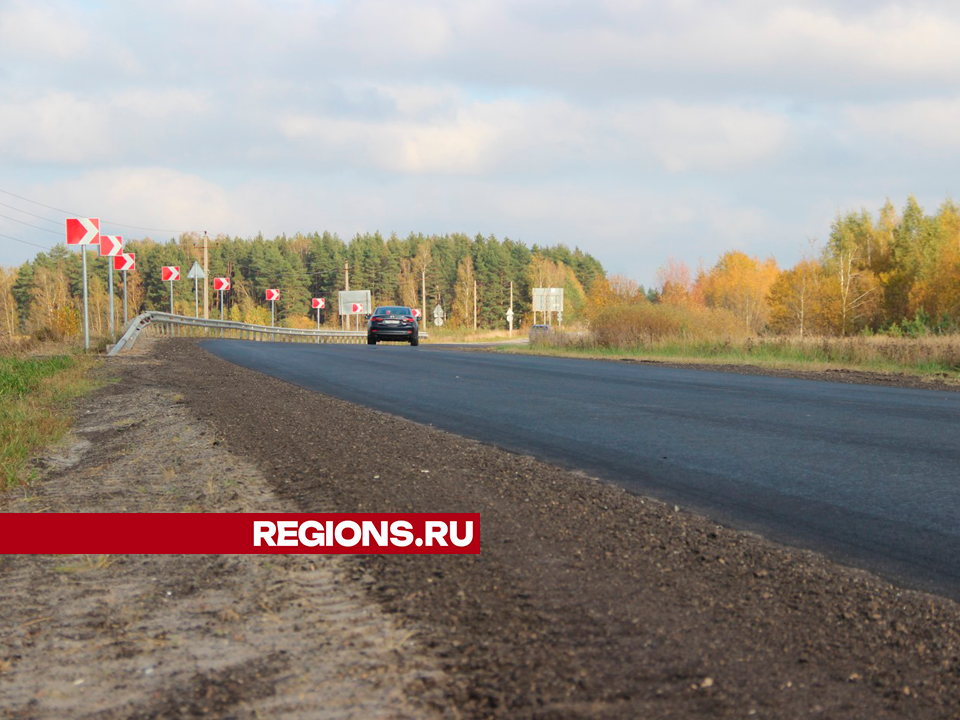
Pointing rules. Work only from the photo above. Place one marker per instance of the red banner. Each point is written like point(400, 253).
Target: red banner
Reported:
point(239, 533)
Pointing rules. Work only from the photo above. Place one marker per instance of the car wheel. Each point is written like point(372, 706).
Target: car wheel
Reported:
point(371, 341)
point(414, 341)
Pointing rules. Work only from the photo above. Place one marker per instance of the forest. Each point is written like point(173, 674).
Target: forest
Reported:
point(42, 298)
point(895, 273)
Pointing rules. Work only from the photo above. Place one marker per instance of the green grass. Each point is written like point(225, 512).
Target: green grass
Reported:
point(36, 396)
point(930, 357)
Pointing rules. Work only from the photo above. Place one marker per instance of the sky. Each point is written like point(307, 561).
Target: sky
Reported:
point(638, 131)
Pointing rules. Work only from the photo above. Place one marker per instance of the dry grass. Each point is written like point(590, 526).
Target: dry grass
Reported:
point(36, 394)
point(703, 336)
point(446, 334)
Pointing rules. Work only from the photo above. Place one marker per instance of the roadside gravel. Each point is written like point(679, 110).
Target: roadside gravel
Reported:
point(185, 636)
point(585, 601)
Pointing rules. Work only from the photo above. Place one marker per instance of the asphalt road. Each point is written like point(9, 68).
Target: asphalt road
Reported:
point(869, 475)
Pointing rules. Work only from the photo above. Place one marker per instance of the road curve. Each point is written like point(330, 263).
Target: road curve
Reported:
point(869, 475)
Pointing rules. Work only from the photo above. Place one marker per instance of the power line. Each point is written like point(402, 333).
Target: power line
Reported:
point(37, 227)
point(25, 242)
point(39, 217)
point(104, 220)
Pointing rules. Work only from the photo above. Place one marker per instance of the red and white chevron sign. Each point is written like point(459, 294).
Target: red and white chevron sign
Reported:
point(125, 261)
point(83, 231)
point(319, 303)
point(416, 313)
point(222, 284)
point(170, 273)
point(273, 294)
point(357, 308)
point(110, 245)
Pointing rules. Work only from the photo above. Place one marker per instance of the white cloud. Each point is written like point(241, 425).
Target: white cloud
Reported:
point(931, 125)
point(152, 197)
point(648, 128)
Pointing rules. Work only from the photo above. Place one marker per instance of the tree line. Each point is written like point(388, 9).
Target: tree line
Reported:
point(895, 273)
point(43, 296)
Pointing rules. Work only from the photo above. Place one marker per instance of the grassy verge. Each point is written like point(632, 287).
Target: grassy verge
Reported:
point(35, 407)
point(937, 357)
point(445, 334)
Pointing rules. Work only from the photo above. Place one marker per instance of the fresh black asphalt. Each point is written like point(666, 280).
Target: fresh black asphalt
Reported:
point(869, 475)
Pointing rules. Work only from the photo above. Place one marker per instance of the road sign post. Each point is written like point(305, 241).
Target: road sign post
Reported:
point(273, 294)
point(318, 305)
point(196, 274)
point(110, 247)
point(221, 285)
point(170, 273)
point(83, 232)
point(124, 262)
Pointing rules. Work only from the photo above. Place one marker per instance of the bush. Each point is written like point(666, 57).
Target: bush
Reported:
point(648, 323)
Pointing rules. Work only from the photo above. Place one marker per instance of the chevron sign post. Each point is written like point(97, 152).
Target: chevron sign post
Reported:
point(318, 304)
point(110, 246)
point(273, 295)
point(221, 285)
point(122, 263)
point(170, 273)
point(84, 231)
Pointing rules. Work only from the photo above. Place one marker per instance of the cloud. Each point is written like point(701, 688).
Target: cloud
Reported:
point(640, 127)
point(925, 125)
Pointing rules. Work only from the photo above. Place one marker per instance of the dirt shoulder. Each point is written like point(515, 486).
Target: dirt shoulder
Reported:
point(177, 636)
point(585, 601)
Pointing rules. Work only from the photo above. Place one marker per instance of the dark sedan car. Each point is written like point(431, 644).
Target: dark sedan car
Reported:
point(393, 323)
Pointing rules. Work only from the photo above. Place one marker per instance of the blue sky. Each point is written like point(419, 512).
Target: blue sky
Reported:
point(636, 130)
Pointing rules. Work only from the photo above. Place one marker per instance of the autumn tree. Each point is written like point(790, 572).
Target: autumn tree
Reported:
point(793, 300)
point(740, 283)
point(674, 283)
point(461, 314)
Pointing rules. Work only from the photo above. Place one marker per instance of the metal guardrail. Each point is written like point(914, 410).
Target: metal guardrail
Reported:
point(160, 324)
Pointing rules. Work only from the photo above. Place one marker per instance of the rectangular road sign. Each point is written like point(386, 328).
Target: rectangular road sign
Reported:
point(548, 299)
point(355, 302)
point(83, 231)
point(170, 273)
point(110, 245)
point(125, 261)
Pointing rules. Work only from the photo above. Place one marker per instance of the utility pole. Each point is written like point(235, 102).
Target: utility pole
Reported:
point(346, 287)
point(206, 274)
point(511, 309)
point(474, 305)
point(423, 293)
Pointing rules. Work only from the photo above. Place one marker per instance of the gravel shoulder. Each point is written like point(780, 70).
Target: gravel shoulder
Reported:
point(178, 636)
point(587, 601)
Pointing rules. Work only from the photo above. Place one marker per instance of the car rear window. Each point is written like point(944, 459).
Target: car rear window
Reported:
point(392, 311)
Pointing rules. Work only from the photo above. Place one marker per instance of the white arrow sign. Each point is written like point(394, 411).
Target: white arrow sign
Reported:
point(124, 261)
point(110, 245)
point(83, 231)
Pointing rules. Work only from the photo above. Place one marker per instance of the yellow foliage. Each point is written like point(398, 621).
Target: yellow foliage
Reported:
point(740, 284)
